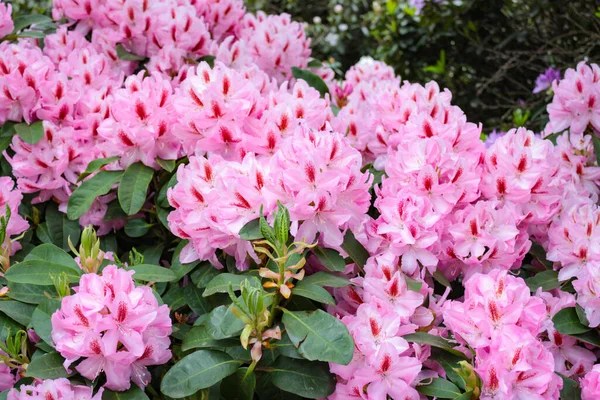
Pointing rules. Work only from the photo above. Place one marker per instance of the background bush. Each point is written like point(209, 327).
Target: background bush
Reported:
point(487, 52)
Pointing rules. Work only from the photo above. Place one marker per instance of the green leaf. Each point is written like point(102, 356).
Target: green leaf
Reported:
point(95, 165)
point(52, 254)
point(161, 198)
point(30, 133)
point(413, 284)
point(126, 55)
point(440, 388)
point(199, 370)
point(450, 363)
point(570, 389)
point(32, 34)
point(30, 294)
point(42, 233)
point(199, 337)
point(40, 319)
point(167, 165)
point(8, 326)
point(465, 396)
point(7, 131)
point(567, 322)
point(210, 60)
point(596, 141)
point(547, 280)
point(312, 79)
point(204, 274)
point(223, 324)
point(135, 393)
point(134, 186)
point(239, 386)
point(591, 337)
point(196, 302)
point(47, 366)
point(441, 278)
point(23, 21)
point(137, 227)
point(152, 273)
point(326, 279)
point(581, 315)
point(426, 338)
point(301, 377)
point(82, 198)
point(18, 311)
point(60, 228)
point(538, 252)
point(174, 298)
point(281, 224)
point(315, 64)
point(38, 272)
point(313, 292)
point(331, 259)
point(221, 282)
point(177, 267)
point(319, 336)
point(251, 231)
point(356, 251)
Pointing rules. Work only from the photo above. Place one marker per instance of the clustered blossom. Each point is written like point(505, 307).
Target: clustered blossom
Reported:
point(545, 80)
point(316, 174)
point(10, 198)
point(114, 327)
point(590, 384)
point(6, 23)
point(379, 312)
point(500, 320)
point(57, 389)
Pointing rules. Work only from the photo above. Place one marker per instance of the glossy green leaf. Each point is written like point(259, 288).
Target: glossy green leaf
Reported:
point(82, 198)
point(450, 363)
point(123, 54)
point(47, 366)
point(20, 312)
point(60, 228)
point(427, 339)
point(547, 280)
point(137, 227)
point(356, 251)
point(8, 326)
point(196, 302)
point(95, 165)
point(221, 282)
point(31, 294)
point(199, 370)
point(152, 273)
point(38, 272)
point(174, 298)
point(199, 337)
point(204, 274)
point(591, 337)
point(311, 380)
point(567, 322)
point(134, 187)
point(223, 324)
point(331, 259)
point(135, 393)
point(52, 254)
point(40, 319)
point(177, 266)
point(312, 79)
point(239, 386)
point(319, 336)
point(251, 231)
point(161, 198)
point(538, 252)
point(326, 279)
point(167, 165)
point(441, 278)
point(440, 388)
point(30, 133)
point(570, 389)
point(313, 292)
point(23, 21)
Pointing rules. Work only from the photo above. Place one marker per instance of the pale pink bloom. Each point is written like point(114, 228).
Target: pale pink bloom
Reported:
point(590, 384)
point(11, 197)
point(115, 327)
point(6, 23)
point(58, 389)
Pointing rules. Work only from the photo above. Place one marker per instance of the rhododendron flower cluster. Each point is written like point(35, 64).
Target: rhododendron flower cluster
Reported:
point(10, 199)
point(58, 389)
point(590, 385)
point(117, 328)
point(6, 23)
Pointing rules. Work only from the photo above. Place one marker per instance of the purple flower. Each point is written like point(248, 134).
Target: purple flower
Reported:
point(492, 137)
point(544, 81)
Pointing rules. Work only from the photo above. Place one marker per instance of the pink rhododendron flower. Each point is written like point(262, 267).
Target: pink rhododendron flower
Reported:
point(590, 384)
point(57, 389)
point(107, 310)
point(6, 23)
point(11, 197)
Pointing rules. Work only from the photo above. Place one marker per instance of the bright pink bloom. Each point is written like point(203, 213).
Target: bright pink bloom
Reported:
point(590, 384)
point(106, 311)
point(6, 23)
point(57, 389)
